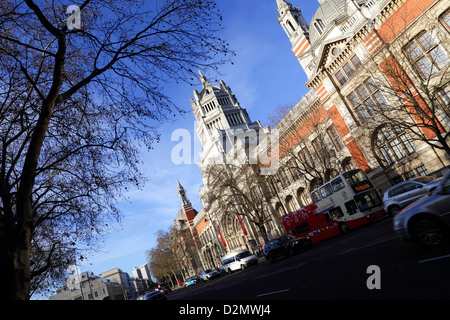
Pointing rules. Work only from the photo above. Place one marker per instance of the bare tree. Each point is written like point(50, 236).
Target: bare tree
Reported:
point(418, 102)
point(75, 103)
point(174, 251)
point(185, 243)
point(162, 259)
point(413, 74)
point(237, 189)
point(305, 147)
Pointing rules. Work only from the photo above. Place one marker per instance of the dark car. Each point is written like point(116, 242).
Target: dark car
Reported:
point(285, 246)
point(155, 295)
point(164, 289)
point(427, 220)
point(221, 270)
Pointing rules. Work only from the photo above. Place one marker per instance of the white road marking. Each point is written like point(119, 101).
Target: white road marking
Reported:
point(368, 245)
point(435, 258)
point(282, 270)
point(274, 292)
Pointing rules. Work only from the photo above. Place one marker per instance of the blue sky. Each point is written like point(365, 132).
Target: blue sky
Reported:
point(265, 74)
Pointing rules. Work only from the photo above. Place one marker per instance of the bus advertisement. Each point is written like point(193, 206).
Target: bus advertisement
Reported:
point(344, 203)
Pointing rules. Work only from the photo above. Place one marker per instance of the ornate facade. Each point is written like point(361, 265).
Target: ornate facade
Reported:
point(349, 53)
point(367, 62)
point(222, 122)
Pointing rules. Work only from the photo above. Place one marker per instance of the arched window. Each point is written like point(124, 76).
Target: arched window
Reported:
point(318, 24)
point(393, 143)
point(279, 209)
point(367, 100)
point(291, 204)
point(303, 197)
point(445, 19)
point(291, 26)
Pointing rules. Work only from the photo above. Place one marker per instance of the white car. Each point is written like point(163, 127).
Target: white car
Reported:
point(427, 220)
point(238, 260)
point(209, 274)
point(406, 192)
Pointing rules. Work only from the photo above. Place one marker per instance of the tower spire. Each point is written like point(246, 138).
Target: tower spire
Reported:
point(297, 30)
point(202, 78)
point(183, 196)
point(282, 4)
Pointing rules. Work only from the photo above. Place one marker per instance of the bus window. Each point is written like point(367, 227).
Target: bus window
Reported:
point(358, 180)
point(368, 200)
point(326, 191)
point(351, 207)
point(335, 213)
point(355, 176)
point(302, 227)
point(337, 184)
point(316, 196)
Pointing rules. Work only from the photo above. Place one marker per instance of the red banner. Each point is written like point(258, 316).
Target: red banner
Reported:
point(221, 237)
point(242, 225)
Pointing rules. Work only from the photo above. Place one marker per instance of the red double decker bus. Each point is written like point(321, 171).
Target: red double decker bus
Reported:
point(346, 202)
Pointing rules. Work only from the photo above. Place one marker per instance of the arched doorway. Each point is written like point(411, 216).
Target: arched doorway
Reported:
point(234, 235)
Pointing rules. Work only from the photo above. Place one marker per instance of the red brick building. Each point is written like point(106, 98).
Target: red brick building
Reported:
point(378, 73)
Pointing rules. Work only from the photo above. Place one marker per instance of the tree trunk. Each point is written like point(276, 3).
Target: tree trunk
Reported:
point(263, 232)
point(445, 145)
point(20, 240)
point(20, 249)
point(8, 263)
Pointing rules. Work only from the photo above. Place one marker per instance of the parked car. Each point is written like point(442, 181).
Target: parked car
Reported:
point(190, 281)
point(221, 270)
point(164, 289)
point(427, 220)
point(155, 295)
point(285, 246)
point(406, 192)
point(238, 260)
point(209, 274)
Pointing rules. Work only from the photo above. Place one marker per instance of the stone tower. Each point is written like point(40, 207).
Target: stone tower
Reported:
point(297, 30)
point(186, 206)
point(221, 120)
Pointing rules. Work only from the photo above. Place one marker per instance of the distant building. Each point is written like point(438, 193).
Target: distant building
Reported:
point(185, 236)
point(142, 280)
point(121, 278)
point(87, 286)
point(142, 272)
